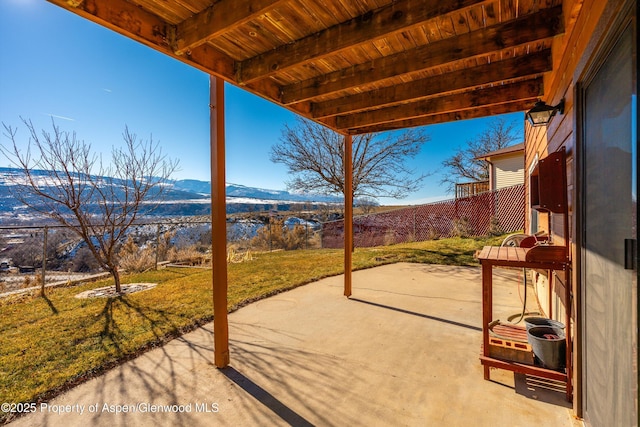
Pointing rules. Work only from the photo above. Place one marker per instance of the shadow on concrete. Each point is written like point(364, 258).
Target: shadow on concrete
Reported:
point(413, 313)
point(265, 398)
point(544, 390)
point(299, 376)
point(137, 383)
point(322, 361)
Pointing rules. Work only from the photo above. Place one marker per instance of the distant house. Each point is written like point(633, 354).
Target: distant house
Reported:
point(506, 166)
point(26, 269)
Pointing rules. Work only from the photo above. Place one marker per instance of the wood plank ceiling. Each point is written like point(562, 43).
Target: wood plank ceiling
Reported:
point(356, 65)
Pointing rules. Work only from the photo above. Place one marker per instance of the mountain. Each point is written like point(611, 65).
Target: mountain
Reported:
point(242, 191)
point(193, 186)
point(182, 197)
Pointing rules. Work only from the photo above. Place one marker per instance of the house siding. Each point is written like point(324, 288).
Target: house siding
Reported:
point(573, 55)
point(508, 171)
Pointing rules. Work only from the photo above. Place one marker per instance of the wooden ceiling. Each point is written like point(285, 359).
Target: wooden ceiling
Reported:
point(356, 65)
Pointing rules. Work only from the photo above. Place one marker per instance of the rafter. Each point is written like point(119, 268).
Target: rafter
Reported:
point(220, 17)
point(529, 90)
point(518, 67)
point(344, 97)
point(386, 21)
point(122, 17)
point(492, 110)
point(135, 23)
point(211, 61)
point(528, 29)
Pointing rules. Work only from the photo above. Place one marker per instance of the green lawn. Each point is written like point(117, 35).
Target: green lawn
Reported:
point(49, 344)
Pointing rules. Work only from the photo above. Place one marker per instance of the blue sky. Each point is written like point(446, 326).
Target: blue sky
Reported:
point(94, 82)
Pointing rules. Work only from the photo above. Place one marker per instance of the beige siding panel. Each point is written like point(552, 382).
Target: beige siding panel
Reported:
point(509, 171)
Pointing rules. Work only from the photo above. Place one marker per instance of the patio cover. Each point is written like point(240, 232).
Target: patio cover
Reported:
point(355, 66)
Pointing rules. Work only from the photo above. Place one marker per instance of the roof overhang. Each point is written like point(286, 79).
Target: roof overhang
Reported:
point(511, 150)
point(355, 66)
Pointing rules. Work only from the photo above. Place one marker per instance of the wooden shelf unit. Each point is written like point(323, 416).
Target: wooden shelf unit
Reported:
point(548, 188)
point(541, 258)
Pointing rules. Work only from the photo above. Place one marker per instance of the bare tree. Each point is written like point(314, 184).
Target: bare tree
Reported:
point(30, 251)
point(366, 204)
point(63, 180)
point(27, 253)
point(58, 241)
point(464, 165)
point(314, 156)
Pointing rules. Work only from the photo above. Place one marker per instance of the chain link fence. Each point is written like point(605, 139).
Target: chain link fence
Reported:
point(33, 255)
point(493, 212)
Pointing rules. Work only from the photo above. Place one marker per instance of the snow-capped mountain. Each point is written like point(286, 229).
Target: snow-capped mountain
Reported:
point(182, 197)
point(244, 192)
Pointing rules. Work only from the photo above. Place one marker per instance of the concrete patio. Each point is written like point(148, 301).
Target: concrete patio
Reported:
point(402, 351)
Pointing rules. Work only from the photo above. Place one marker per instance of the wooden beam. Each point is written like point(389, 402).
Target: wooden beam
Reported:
point(210, 60)
point(219, 224)
point(135, 23)
point(496, 72)
point(122, 17)
point(386, 21)
point(220, 17)
point(528, 29)
point(530, 90)
point(348, 213)
point(492, 110)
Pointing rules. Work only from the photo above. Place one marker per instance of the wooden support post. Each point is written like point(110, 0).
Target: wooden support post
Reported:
point(487, 311)
point(348, 213)
point(218, 223)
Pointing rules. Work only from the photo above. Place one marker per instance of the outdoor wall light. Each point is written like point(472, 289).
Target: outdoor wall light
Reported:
point(541, 113)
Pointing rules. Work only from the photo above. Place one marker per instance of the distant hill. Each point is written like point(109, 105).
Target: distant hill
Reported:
point(193, 186)
point(184, 197)
point(242, 191)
